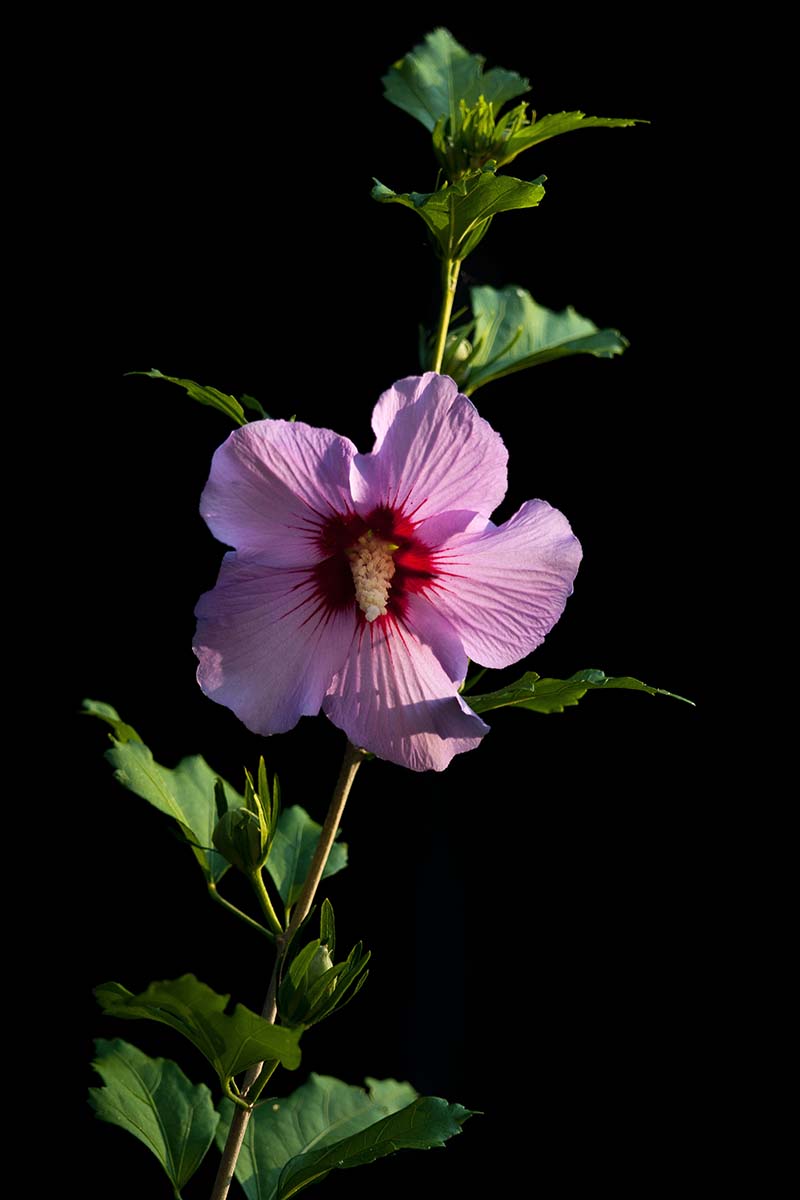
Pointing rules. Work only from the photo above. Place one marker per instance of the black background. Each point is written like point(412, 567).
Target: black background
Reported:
point(533, 911)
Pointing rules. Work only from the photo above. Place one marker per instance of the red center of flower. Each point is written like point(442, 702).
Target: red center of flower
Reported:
point(381, 549)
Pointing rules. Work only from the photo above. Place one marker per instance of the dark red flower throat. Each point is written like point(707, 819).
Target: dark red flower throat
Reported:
point(414, 562)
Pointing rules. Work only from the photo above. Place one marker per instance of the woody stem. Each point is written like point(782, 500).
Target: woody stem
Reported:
point(241, 1116)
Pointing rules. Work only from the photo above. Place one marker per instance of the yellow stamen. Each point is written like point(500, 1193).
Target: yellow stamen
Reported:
point(373, 567)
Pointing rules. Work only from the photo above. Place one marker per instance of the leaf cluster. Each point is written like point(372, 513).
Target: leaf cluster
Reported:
point(323, 1126)
point(200, 801)
point(443, 86)
point(231, 1042)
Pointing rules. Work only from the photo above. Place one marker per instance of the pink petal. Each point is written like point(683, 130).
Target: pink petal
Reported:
point(267, 647)
point(393, 697)
point(432, 453)
point(439, 529)
point(503, 590)
point(272, 486)
point(433, 630)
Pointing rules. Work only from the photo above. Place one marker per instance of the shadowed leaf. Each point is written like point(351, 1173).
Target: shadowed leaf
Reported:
point(185, 793)
point(231, 1043)
point(328, 1124)
point(429, 81)
point(153, 1100)
point(512, 332)
point(292, 851)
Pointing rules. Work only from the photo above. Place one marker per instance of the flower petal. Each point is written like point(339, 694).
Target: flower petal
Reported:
point(393, 697)
point(504, 589)
point(433, 630)
point(433, 453)
point(268, 648)
point(272, 486)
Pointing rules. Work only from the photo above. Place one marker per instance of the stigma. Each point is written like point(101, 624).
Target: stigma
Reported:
point(373, 567)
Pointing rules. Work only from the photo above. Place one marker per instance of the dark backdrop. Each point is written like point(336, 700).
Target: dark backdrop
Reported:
point(531, 910)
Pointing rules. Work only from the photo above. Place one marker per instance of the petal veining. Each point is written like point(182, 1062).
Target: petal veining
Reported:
point(503, 590)
point(274, 485)
point(394, 697)
point(268, 644)
point(434, 453)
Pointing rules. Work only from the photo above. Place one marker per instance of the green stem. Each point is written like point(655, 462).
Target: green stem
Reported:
point(262, 1081)
point(257, 880)
point(237, 912)
point(450, 269)
point(241, 1117)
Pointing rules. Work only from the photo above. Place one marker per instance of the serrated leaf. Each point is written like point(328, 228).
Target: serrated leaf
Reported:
point(186, 793)
point(327, 1124)
point(458, 215)
point(210, 396)
point(425, 1123)
point(512, 332)
point(429, 81)
point(292, 851)
point(554, 124)
point(230, 1042)
point(554, 695)
point(153, 1100)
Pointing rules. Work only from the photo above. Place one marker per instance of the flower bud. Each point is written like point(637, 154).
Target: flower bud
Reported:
point(243, 840)
point(320, 963)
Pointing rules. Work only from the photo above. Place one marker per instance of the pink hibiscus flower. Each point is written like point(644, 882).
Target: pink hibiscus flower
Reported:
point(361, 584)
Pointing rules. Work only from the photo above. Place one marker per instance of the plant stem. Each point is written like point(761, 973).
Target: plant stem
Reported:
point(257, 880)
point(241, 1116)
point(450, 269)
point(214, 894)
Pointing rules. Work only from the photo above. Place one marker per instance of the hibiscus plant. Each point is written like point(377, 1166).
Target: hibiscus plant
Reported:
point(363, 586)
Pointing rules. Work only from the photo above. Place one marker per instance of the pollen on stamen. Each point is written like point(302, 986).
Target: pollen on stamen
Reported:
point(373, 567)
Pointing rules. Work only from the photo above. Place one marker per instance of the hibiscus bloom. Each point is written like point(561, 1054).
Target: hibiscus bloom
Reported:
point(361, 584)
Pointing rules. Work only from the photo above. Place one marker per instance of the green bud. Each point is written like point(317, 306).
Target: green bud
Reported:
point(320, 963)
point(241, 836)
point(469, 139)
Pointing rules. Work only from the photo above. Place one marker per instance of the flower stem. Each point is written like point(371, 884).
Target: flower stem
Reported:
point(450, 269)
point(257, 880)
point(214, 894)
point(241, 1116)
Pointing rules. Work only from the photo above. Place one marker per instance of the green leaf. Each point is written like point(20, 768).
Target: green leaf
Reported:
point(293, 849)
point(153, 1100)
point(326, 1124)
point(231, 1043)
point(429, 81)
point(459, 215)
point(186, 793)
point(512, 332)
point(211, 396)
point(554, 695)
point(254, 405)
point(327, 926)
point(554, 124)
point(122, 732)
